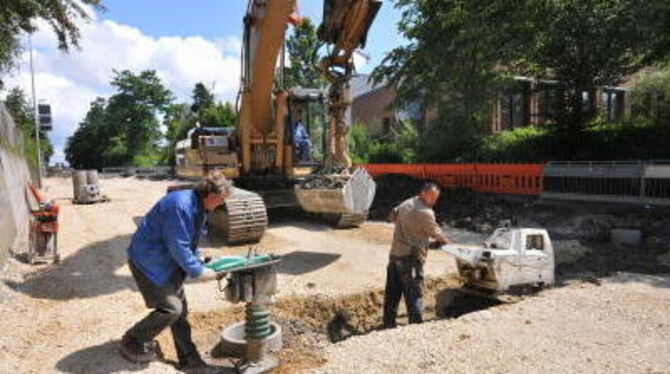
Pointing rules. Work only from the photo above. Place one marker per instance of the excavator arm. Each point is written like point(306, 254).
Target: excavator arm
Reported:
point(263, 104)
point(345, 27)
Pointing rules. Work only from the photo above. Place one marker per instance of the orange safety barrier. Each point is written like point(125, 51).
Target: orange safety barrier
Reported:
point(515, 179)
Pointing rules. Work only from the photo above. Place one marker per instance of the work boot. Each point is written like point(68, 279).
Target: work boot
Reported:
point(138, 352)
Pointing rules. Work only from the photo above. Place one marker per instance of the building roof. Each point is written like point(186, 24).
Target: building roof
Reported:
point(360, 85)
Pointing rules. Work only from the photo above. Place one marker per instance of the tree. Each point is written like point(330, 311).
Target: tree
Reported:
point(460, 53)
point(303, 50)
point(86, 148)
point(23, 115)
point(652, 95)
point(202, 98)
point(208, 112)
point(124, 129)
point(452, 63)
point(219, 115)
point(133, 111)
point(588, 44)
point(19, 16)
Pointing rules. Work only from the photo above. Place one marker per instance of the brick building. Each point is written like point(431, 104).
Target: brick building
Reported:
point(530, 102)
point(526, 102)
point(371, 106)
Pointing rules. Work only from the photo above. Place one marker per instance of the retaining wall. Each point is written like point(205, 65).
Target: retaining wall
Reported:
point(14, 177)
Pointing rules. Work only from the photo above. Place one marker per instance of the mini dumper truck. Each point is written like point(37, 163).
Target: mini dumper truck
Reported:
point(509, 259)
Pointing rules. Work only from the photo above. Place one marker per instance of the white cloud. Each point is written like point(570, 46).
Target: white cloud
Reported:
point(360, 60)
point(69, 82)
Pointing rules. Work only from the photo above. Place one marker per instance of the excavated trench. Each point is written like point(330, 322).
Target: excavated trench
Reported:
point(310, 324)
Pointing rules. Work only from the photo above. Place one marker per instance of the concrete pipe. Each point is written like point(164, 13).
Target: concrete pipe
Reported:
point(79, 180)
point(92, 177)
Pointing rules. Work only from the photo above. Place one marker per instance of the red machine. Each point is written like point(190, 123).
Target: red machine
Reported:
point(43, 245)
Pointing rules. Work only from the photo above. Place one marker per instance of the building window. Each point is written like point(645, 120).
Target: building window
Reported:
point(613, 104)
point(549, 98)
point(515, 105)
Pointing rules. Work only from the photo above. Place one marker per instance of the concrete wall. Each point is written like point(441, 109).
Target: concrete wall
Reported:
point(14, 176)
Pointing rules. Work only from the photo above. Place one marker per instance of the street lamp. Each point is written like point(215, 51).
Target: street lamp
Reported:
point(35, 115)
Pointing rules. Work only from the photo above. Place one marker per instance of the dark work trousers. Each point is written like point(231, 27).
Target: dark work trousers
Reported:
point(169, 309)
point(404, 278)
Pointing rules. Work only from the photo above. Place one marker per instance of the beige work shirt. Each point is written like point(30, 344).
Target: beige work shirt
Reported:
point(415, 224)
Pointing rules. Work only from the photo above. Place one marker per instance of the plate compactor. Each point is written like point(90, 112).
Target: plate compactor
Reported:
point(252, 279)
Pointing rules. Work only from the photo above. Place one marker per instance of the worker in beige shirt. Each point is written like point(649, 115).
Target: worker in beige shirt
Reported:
point(415, 226)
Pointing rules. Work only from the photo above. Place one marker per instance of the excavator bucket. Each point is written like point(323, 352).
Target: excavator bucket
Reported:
point(337, 194)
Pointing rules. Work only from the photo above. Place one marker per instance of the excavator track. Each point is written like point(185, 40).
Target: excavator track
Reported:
point(243, 220)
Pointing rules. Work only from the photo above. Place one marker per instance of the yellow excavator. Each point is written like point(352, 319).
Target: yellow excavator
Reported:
point(258, 152)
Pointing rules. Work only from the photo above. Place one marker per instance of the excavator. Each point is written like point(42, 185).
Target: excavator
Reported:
point(258, 152)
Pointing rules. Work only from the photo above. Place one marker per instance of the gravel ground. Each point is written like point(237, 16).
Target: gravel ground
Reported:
point(622, 326)
point(68, 318)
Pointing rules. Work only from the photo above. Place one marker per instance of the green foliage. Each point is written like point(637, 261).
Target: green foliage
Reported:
point(219, 115)
point(202, 98)
point(399, 148)
point(521, 144)
point(303, 50)
point(599, 141)
point(652, 95)
point(180, 118)
point(449, 64)
point(208, 112)
point(588, 44)
point(123, 130)
point(19, 16)
point(461, 52)
point(22, 112)
point(359, 143)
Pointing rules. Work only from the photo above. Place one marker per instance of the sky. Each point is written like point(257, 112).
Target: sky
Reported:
point(184, 41)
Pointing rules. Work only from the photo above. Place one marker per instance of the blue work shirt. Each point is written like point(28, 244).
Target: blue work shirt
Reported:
point(299, 133)
point(167, 239)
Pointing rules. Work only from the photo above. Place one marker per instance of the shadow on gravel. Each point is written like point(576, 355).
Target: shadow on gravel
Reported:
point(105, 359)
point(89, 272)
point(302, 262)
point(98, 359)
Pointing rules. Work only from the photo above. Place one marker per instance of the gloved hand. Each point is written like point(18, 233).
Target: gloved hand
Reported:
point(207, 275)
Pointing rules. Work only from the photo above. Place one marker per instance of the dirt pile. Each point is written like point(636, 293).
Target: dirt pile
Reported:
point(569, 251)
point(606, 258)
point(311, 323)
point(459, 208)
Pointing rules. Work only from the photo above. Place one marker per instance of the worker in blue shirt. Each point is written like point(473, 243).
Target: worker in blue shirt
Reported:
point(301, 141)
point(162, 253)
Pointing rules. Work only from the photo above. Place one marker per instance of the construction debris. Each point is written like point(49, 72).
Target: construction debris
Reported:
point(569, 251)
point(325, 182)
point(342, 193)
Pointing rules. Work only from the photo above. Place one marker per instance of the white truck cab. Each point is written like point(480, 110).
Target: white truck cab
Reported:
point(509, 257)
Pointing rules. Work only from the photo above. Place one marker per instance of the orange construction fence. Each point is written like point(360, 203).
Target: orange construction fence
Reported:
point(516, 179)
